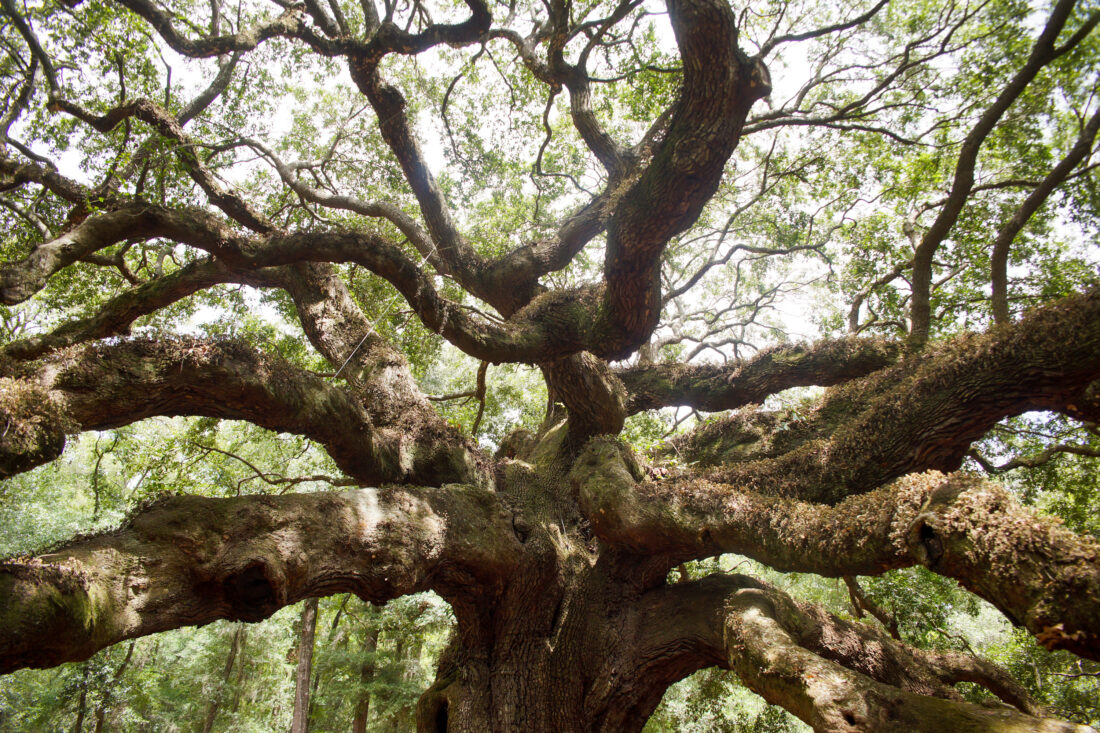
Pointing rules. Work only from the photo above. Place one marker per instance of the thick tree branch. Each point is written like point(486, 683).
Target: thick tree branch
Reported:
point(17, 174)
point(415, 442)
point(117, 315)
point(245, 558)
point(708, 631)
point(720, 84)
point(557, 324)
point(422, 443)
point(922, 413)
point(715, 387)
point(1042, 576)
point(822, 670)
point(594, 396)
point(20, 280)
point(105, 386)
point(290, 24)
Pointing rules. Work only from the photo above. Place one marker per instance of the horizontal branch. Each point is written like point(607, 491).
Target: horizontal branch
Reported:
point(106, 386)
point(554, 325)
point(1042, 576)
point(117, 315)
point(715, 387)
point(20, 280)
point(14, 173)
point(1036, 459)
point(190, 560)
point(922, 413)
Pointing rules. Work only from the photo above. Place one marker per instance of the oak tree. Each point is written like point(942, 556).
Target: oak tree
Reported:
point(619, 196)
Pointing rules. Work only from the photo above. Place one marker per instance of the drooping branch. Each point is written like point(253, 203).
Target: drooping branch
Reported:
point(715, 387)
point(14, 173)
point(556, 324)
point(850, 668)
point(135, 221)
point(117, 315)
point(289, 24)
point(843, 676)
point(416, 442)
point(190, 560)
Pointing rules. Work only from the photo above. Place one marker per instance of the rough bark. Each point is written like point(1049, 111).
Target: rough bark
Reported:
point(1042, 576)
point(243, 559)
point(922, 413)
point(763, 647)
point(717, 387)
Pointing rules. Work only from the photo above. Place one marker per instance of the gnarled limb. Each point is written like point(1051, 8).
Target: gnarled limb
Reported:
point(922, 413)
point(715, 387)
point(592, 393)
point(720, 84)
point(190, 560)
point(105, 386)
point(118, 314)
point(1042, 576)
point(420, 441)
point(554, 325)
point(824, 671)
point(16, 173)
point(170, 127)
point(20, 280)
point(832, 673)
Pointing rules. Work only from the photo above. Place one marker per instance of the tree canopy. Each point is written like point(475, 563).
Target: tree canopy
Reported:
point(547, 308)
